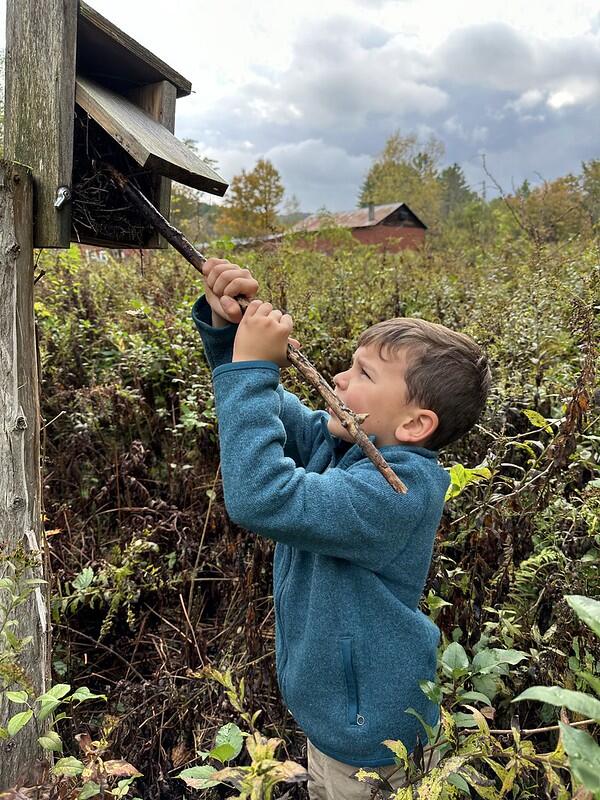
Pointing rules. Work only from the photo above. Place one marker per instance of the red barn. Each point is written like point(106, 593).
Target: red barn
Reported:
point(393, 225)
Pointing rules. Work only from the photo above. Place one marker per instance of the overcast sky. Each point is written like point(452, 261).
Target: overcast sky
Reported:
point(318, 86)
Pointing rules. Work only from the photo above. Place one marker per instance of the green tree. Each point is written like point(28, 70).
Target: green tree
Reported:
point(553, 211)
point(251, 208)
point(407, 171)
point(591, 188)
point(455, 191)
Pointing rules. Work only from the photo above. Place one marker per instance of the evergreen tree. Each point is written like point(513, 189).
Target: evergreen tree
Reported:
point(455, 190)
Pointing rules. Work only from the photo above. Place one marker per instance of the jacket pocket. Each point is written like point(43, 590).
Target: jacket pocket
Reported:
point(354, 717)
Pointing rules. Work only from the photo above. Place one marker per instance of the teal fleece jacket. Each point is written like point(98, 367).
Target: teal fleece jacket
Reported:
point(351, 558)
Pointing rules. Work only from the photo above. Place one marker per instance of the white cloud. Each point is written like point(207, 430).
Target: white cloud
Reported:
point(318, 88)
point(320, 174)
point(527, 100)
point(561, 99)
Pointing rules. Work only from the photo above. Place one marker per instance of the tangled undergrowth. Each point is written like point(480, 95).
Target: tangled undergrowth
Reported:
point(153, 584)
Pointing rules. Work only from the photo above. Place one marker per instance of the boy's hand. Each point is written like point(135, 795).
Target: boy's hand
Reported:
point(222, 281)
point(263, 335)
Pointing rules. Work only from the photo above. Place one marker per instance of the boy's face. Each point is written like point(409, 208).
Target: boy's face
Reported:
point(378, 387)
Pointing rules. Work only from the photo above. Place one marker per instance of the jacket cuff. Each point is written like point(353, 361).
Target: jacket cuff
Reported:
point(202, 316)
point(244, 365)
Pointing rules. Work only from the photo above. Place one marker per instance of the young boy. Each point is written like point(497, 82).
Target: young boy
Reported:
point(352, 555)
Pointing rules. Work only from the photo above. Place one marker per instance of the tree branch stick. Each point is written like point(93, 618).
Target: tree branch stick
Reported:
point(349, 420)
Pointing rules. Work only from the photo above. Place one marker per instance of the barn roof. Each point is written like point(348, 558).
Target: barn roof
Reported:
point(358, 218)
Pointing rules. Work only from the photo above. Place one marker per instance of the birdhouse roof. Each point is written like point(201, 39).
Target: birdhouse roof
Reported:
point(113, 58)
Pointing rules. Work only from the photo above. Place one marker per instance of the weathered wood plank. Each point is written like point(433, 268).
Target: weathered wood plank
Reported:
point(158, 101)
point(21, 529)
point(148, 142)
point(40, 88)
point(121, 58)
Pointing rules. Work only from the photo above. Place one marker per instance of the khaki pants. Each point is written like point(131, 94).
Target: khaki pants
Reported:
point(329, 779)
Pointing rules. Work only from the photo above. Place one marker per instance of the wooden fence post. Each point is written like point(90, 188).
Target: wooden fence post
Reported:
point(21, 529)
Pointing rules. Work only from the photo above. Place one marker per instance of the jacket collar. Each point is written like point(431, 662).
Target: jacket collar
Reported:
point(353, 453)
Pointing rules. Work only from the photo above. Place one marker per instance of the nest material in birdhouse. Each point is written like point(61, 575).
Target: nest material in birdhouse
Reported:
point(100, 212)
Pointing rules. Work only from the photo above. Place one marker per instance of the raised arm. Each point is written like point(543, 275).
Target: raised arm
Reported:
point(352, 514)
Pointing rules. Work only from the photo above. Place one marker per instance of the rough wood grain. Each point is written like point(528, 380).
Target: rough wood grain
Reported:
point(104, 48)
point(40, 88)
point(158, 101)
point(150, 144)
point(20, 484)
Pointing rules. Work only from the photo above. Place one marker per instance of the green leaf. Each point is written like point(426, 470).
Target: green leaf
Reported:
point(58, 691)
point(587, 610)
point(84, 579)
point(198, 777)
point(83, 693)
point(538, 420)
point(69, 767)
point(579, 702)
point(434, 602)
point(463, 720)
point(489, 685)
point(18, 721)
point(47, 707)
point(89, 789)
point(461, 476)
point(433, 691)
point(17, 697)
point(223, 752)
point(592, 680)
point(427, 728)
point(51, 741)
point(489, 659)
point(460, 783)
point(584, 756)
point(230, 734)
point(455, 660)
point(398, 748)
point(475, 696)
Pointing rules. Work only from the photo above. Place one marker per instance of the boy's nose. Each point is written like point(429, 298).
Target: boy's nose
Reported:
point(339, 379)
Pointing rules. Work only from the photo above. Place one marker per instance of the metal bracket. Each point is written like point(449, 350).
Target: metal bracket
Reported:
point(62, 196)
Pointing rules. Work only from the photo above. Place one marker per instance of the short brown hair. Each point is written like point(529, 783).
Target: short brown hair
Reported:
point(447, 372)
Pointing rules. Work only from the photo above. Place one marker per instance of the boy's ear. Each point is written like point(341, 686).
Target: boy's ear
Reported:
point(418, 427)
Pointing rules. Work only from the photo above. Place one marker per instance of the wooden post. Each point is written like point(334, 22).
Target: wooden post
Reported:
point(21, 529)
point(40, 92)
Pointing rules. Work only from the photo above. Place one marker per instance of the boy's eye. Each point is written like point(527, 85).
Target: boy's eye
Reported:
point(364, 373)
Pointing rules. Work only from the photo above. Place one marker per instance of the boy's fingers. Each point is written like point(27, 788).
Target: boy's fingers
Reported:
point(287, 322)
point(245, 286)
point(295, 342)
point(264, 309)
point(253, 308)
point(211, 263)
point(223, 279)
point(218, 269)
point(232, 308)
point(276, 314)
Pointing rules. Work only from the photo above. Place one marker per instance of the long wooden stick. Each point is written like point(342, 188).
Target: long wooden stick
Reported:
point(349, 420)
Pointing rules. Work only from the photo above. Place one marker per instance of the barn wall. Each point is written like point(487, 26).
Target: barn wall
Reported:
point(394, 238)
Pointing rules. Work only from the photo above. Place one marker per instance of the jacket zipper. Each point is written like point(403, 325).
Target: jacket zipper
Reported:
point(354, 717)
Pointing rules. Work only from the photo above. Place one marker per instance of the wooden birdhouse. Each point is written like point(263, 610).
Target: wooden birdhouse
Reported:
point(80, 95)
